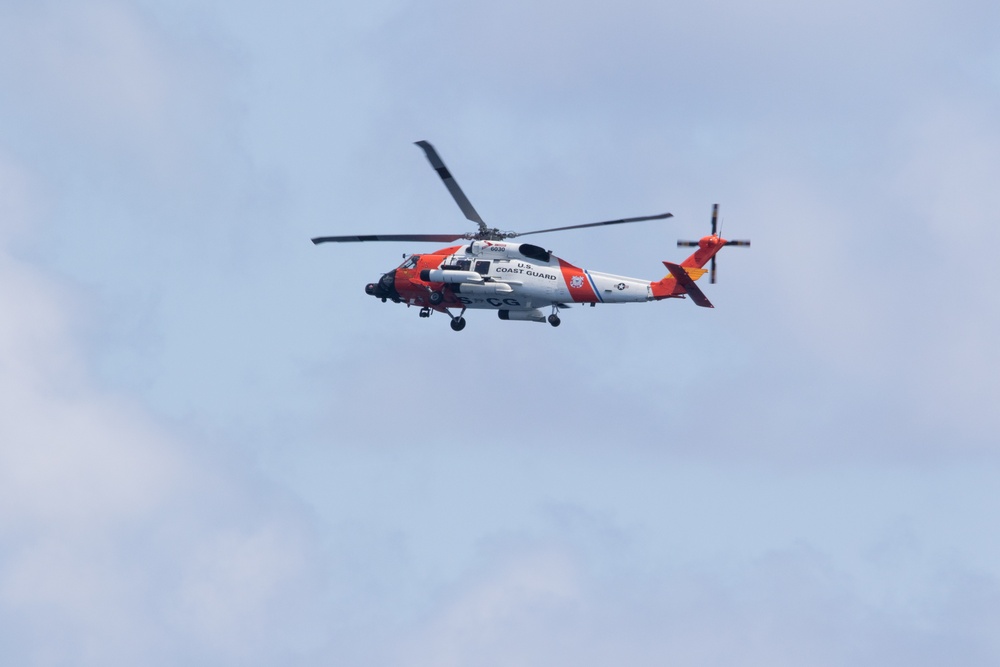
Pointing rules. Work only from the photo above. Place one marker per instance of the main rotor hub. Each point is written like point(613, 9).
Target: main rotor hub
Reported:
point(493, 234)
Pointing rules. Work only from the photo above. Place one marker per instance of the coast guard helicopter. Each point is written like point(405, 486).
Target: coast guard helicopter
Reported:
point(519, 280)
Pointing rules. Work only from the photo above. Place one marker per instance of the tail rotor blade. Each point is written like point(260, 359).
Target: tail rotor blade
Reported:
point(712, 276)
point(715, 219)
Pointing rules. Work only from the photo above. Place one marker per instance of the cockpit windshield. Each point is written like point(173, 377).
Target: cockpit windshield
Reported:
point(411, 262)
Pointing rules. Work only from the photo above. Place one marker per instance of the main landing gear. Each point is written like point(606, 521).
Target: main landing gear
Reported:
point(457, 323)
point(553, 318)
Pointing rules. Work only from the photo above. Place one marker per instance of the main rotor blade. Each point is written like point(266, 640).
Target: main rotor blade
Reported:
point(452, 185)
point(661, 216)
point(438, 238)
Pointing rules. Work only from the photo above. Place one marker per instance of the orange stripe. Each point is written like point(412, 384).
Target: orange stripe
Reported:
point(580, 290)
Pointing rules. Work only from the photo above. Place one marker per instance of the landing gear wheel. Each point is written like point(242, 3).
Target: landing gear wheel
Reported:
point(554, 320)
point(458, 323)
point(435, 298)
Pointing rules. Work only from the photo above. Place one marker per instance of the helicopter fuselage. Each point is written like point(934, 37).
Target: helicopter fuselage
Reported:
point(515, 279)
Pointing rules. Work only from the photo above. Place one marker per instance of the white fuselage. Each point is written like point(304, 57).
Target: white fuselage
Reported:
point(514, 280)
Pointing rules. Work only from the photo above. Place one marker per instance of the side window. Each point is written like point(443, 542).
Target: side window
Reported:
point(482, 266)
point(463, 264)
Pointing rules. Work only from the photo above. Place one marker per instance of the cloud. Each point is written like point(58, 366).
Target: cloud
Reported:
point(541, 604)
point(523, 596)
point(125, 538)
point(104, 80)
point(120, 541)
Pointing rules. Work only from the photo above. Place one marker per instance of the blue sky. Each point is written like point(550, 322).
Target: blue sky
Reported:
point(216, 449)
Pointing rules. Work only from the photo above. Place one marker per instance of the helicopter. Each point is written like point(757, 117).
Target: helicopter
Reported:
point(520, 280)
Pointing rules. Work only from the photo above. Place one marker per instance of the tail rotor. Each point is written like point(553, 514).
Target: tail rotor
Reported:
point(715, 232)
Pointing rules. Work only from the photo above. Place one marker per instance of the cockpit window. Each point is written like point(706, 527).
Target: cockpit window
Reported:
point(411, 262)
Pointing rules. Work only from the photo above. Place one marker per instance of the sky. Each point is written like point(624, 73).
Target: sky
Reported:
point(215, 449)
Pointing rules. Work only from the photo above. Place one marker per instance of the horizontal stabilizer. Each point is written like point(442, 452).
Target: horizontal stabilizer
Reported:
point(681, 274)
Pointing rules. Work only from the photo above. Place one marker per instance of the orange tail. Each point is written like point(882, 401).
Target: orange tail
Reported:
point(681, 279)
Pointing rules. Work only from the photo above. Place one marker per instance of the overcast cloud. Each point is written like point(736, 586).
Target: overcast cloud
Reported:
point(216, 449)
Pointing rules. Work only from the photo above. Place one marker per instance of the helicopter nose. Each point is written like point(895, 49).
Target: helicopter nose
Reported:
point(388, 281)
point(385, 288)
